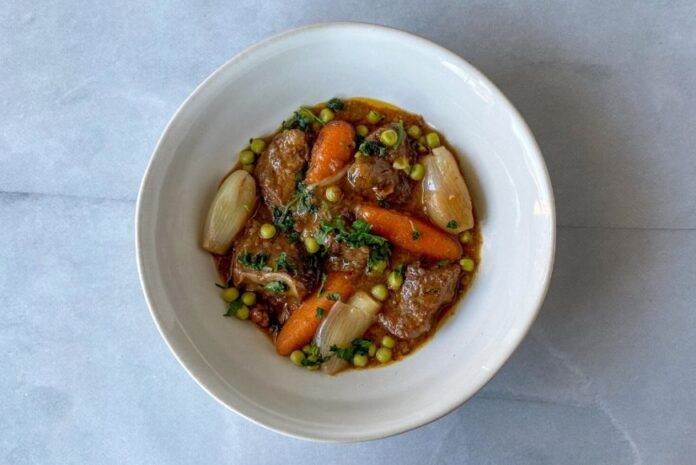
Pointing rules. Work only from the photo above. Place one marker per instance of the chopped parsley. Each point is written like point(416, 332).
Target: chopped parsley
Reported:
point(335, 104)
point(285, 264)
point(314, 357)
point(443, 263)
point(276, 286)
point(452, 224)
point(282, 218)
point(319, 313)
point(359, 235)
point(373, 147)
point(400, 133)
point(322, 281)
point(234, 307)
point(415, 235)
point(358, 346)
point(399, 270)
point(304, 198)
point(253, 261)
point(333, 296)
point(302, 201)
point(302, 119)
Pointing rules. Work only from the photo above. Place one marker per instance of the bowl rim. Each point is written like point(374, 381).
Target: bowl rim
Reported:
point(510, 344)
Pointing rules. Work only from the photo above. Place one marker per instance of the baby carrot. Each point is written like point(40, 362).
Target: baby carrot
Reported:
point(410, 233)
point(332, 151)
point(303, 323)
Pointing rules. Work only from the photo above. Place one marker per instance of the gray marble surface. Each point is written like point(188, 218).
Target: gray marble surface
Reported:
point(608, 372)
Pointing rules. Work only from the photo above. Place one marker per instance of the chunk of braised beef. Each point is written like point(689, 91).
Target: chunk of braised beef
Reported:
point(401, 151)
point(343, 257)
point(259, 314)
point(376, 179)
point(278, 269)
point(280, 165)
point(411, 312)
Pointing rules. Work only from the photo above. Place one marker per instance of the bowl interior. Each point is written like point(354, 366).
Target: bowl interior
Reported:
point(250, 96)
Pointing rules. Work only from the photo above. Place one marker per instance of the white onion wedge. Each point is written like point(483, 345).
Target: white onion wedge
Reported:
point(331, 179)
point(344, 323)
point(445, 195)
point(233, 204)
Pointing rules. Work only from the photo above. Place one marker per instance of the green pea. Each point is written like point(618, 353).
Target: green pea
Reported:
point(467, 264)
point(383, 355)
point(389, 137)
point(267, 231)
point(372, 350)
point(358, 155)
point(311, 245)
point(379, 292)
point(388, 342)
point(361, 129)
point(312, 367)
point(373, 117)
point(249, 298)
point(417, 172)
point(230, 294)
point(465, 237)
point(306, 349)
point(243, 312)
point(248, 168)
point(379, 266)
point(296, 357)
point(421, 148)
point(257, 145)
point(394, 280)
point(326, 115)
point(401, 163)
point(247, 157)
point(433, 140)
point(359, 360)
point(333, 193)
point(414, 131)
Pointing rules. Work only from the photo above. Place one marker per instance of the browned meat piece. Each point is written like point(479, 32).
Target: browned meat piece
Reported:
point(259, 315)
point(279, 165)
point(425, 291)
point(375, 178)
point(404, 149)
point(277, 269)
point(342, 257)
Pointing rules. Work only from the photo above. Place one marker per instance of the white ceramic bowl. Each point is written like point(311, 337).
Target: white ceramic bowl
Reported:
point(250, 95)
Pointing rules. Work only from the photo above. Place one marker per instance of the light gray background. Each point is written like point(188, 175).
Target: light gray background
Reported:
point(608, 372)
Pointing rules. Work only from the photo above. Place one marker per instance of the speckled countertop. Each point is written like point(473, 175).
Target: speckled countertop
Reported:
point(607, 374)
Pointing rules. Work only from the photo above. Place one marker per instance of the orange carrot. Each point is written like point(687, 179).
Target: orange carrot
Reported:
point(410, 233)
point(303, 323)
point(332, 151)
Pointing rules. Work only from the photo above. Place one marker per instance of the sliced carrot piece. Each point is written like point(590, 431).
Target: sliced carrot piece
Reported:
point(303, 323)
point(410, 233)
point(332, 151)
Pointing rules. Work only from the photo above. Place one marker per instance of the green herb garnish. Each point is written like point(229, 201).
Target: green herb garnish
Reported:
point(452, 224)
point(372, 147)
point(285, 264)
point(359, 235)
point(276, 286)
point(333, 296)
point(335, 104)
point(253, 261)
point(358, 346)
point(234, 307)
point(319, 313)
point(442, 263)
point(415, 235)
